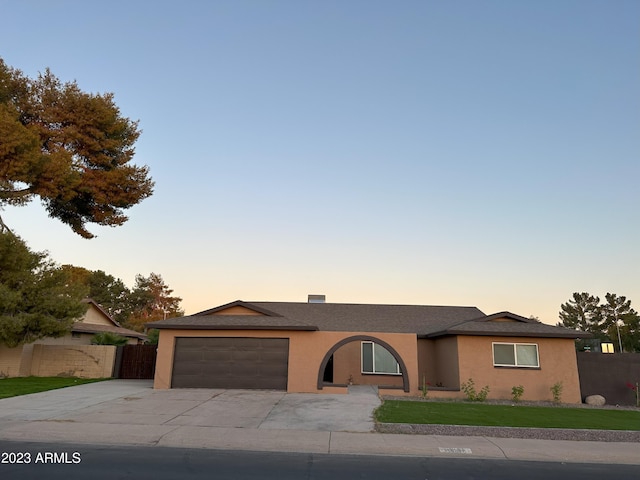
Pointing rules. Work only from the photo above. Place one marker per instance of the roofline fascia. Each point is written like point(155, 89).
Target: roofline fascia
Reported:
point(237, 303)
point(575, 336)
point(91, 301)
point(231, 327)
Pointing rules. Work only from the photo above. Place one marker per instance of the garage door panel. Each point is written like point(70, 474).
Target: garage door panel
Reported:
point(245, 356)
point(274, 356)
point(216, 356)
point(240, 363)
point(269, 371)
point(189, 356)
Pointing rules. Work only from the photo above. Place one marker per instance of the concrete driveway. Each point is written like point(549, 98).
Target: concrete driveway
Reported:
point(130, 412)
point(134, 402)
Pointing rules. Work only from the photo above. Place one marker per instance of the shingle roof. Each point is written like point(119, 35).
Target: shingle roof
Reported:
point(342, 317)
point(82, 327)
point(423, 320)
point(232, 322)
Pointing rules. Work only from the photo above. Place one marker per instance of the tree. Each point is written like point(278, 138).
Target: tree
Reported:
point(108, 291)
point(151, 300)
point(618, 309)
point(585, 312)
point(581, 313)
point(37, 298)
point(153, 336)
point(69, 148)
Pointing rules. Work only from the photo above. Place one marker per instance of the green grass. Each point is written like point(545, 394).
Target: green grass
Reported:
point(12, 387)
point(459, 413)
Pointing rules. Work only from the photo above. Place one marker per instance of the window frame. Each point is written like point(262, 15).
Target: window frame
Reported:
point(515, 355)
point(373, 360)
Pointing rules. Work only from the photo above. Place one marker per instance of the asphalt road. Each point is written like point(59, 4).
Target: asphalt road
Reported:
point(63, 461)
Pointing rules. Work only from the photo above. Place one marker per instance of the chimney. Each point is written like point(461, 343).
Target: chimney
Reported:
point(316, 299)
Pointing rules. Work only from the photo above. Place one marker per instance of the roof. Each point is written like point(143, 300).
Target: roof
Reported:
point(82, 327)
point(86, 327)
point(517, 327)
point(90, 301)
point(427, 321)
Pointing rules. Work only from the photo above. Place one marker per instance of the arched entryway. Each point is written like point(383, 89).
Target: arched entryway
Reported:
point(360, 338)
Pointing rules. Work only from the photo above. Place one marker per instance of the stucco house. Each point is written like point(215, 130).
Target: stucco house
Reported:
point(19, 361)
point(96, 320)
point(318, 347)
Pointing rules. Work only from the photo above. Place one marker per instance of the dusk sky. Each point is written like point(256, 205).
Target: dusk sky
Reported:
point(482, 153)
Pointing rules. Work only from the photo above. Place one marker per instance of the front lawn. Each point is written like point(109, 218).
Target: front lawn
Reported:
point(12, 387)
point(460, 413)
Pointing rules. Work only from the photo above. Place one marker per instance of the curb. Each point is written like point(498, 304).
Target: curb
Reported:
point(632, 436)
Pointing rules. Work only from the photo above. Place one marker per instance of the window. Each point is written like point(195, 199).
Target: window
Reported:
point(377, 359)
point(515, 355)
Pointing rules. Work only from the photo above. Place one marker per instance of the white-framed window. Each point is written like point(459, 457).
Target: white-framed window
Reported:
point(515, 355)
point(377, 359)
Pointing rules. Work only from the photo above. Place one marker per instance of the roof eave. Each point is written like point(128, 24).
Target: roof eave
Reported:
point(237, 303)
point(232, 327)
point(575, 335)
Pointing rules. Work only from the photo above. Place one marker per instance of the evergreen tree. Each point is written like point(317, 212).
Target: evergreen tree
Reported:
point(69, 148)
point(37, 298)
point(151, 300)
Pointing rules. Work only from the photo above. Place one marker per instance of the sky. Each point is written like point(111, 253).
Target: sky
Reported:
point(481, 153)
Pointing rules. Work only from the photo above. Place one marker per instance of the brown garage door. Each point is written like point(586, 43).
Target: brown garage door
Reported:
point(255, 363)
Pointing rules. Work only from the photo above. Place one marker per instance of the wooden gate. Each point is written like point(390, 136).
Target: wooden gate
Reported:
point(137, 361)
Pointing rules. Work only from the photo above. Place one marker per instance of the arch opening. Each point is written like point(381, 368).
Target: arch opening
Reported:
point(324, 374)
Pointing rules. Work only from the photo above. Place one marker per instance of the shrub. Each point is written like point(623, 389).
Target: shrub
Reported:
point(108, 338)
point(153, 336)
point(469, 389)
point(556, 391)
point(424, 388)
point(516, 392)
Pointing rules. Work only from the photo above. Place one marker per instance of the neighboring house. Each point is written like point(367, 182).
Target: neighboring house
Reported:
point(18, 361)
point(324, 347)
point(96, 320)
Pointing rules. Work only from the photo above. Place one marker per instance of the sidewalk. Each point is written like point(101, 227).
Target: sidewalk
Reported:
point(125, 412)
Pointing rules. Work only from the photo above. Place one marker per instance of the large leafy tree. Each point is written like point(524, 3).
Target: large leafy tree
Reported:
point(151, 300)
point(37, 298)
point(71, 149)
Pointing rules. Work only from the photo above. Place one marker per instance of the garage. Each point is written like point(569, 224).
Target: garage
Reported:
point(237, 363)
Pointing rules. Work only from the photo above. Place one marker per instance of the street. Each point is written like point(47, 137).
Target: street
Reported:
point(21, 460)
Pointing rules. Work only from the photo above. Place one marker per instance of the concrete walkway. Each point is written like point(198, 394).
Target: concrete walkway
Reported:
point(130, 412)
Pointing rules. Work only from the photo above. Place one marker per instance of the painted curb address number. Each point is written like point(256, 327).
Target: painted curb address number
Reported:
point(455, 450)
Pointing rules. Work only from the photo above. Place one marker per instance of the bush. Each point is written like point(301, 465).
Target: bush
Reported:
point(108, 338)
point(516, 392)
point(556, 391)
point(424, 388)
point(469, 389)
point(153, 336)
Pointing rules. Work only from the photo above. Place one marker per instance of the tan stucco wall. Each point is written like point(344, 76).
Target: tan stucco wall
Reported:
point(438, 362)
point(10, 360)
point(68, 339)
point(84, 361)
point(306, 352)
point(557, 364)
point(237, 310)
point(447, 362)
point(347, 362)
point(96, 317)
point(426, 361)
